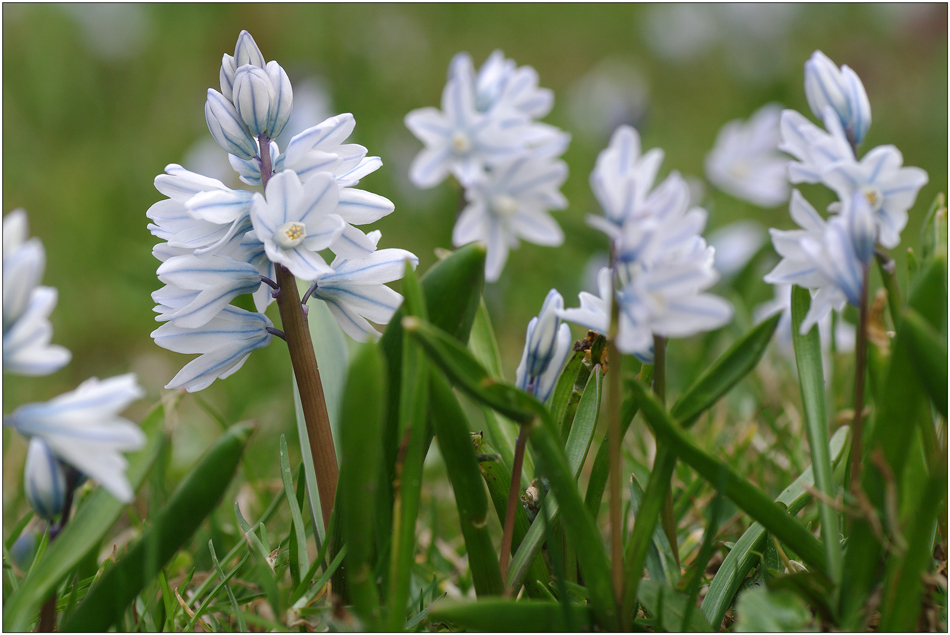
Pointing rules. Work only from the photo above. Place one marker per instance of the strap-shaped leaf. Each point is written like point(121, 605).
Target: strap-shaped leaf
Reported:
point(504, 615)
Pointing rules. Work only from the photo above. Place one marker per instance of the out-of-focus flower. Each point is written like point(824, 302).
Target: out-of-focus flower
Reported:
point(547, 345)
point(622, 177)
point(821, 257)
point(745, 161)
point(814, 148)
point(82, 428)
point(459, 139)
point(512, 202)
point(27, 331)
point(890, 190)
point(225, 342)
point(842, 90)
point(594, 312)
point(355, 290)
point(296, 221)
point(736, 244)
point(844, 333)
point(44, 480)
point(502, 85)
point(612, 94)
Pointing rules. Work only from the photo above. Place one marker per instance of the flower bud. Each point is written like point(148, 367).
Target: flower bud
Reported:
point(827, 85)
point(226, 126)
point(252, 97)
point(228, 68)
point(247, 52)
point(542, 339)
point(44, 480)
point(861, 224)
point(282, 102)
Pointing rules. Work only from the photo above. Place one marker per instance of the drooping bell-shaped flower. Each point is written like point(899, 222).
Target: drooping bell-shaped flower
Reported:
point(83, 428)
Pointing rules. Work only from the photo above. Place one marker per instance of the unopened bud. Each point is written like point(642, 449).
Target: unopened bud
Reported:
point(252, 98)
point(44, 480)
point(827, 85)
point(226, 126)
point(247, 52)
point(282, 102)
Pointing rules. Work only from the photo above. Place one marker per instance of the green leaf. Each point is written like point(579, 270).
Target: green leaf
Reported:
point(929, 351)
point(660, 561)
point(744, 554)
point(407, 486)
point(224, 579)
point(811, 380)
point(452, 289)
point(195, 498)
point(933, 231)
point(451, 429)
point(669, 606)
point(83, 533)
point(361, 418)
point(505, 615)
point(578, 523)
point(725, 372)
point(567, 392)
point(749, 498)
point(763, 611)
point(468, 374)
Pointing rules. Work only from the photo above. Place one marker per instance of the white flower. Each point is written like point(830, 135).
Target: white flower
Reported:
point(547, 345)
point(44, 480)
point(27, 331)
point(814, 148)
point(782, 303)
point(355, 290)
point(459, 139)
point(225, 342)
point(890, 189)
point(594, 312)
point(296, 221)
point(667, 300)
point(197, 288)
point(745, 161)
point(736, 244)
point(623, 176)
point(83, 428)
point(501, 84)
point(842, 90)
point(509, 203)
point(821, 257)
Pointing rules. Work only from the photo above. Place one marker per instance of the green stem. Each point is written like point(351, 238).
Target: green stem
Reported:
point(860, 356)
point(667, 518)
point(888, 270)
point(614, 388)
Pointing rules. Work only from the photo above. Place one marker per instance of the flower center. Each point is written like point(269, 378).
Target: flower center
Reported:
point(461, 142)
point(874, 196)
point(740, 169)
point(504, 205)
point(289, 235)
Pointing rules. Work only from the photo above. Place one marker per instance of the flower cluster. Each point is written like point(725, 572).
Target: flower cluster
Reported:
point(221, 243)
point(76, 434)
point(487, 136)
point(661, 263)
point(830, 257)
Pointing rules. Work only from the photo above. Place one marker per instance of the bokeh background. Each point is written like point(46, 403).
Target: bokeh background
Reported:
point(97, 99)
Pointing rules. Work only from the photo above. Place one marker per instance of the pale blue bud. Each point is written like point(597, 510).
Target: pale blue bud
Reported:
point(228, 68)
point(252, 96)
point(44, 480)
point(227, 128)
point(862, 226)
point(827, 85)
point(282, 102)
point(247, 52)
point(543, 337)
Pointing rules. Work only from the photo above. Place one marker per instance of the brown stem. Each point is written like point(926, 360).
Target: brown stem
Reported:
point(314, 404)
point(509, 530)
point(860, 356)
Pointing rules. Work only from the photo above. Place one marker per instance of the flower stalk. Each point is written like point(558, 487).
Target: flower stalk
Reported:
point(860, 363)
point(307, 374)
point(614, 389)
point(509, 529)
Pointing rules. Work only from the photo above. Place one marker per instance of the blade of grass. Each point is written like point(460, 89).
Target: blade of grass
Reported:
point(242, 626)
point(301, 563)
point(223, 584)
point(659, 559)
point(504, 615)
point(811, 380)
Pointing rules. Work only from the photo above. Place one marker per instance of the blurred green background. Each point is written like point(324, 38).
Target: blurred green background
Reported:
point(97, 99)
